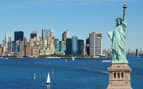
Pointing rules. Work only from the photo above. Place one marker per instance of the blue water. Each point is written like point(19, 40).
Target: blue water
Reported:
point(65, 74)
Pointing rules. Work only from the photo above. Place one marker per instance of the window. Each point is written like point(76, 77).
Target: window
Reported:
point(118, 75)
point(114, 74)
point(122, 74)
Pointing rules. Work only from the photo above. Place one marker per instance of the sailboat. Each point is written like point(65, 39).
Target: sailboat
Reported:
point(48, 82)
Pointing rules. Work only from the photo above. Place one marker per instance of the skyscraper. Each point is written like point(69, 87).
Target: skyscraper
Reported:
point(81, 47)
point(69, 46)
point(48, 41)
point(87, 46)
point(95, 43)
point(60, 47)
point(25, 46)
point(46, 33)
point(17, 48)
point(65, 36)
point(18, 35)
point(56, 43)
point(8, 43)
point(33, 35)
point(98, 41)
point(74, 45)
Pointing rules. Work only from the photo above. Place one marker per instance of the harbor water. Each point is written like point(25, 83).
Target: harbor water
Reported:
point(81, 73)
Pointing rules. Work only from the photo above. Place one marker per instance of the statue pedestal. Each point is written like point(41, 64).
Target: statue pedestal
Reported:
point(119, 77)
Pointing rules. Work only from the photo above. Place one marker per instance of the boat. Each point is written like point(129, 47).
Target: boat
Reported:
point(6, 58)
point(107, 61)
point(48, 82)
point(73, 59)
point(34, 76)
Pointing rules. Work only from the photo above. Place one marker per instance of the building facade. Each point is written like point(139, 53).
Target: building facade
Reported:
point(1, 50)
point(95, 43)
point(18, 35)
point(81, 47)
point(69, 46)
point(35, 51)
point(74, 45)
point(33, 35)
point(60, 47)
point(65, 36)
point(87, 46)
point(46, 33)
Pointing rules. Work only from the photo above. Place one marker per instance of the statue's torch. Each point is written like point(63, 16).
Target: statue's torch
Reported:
point(124, 10)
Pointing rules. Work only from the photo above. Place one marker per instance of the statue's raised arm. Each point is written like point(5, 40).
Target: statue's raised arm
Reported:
point(124, 23)
point(124, 11)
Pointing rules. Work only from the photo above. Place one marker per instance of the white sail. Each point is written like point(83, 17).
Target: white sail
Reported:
point(48, 79)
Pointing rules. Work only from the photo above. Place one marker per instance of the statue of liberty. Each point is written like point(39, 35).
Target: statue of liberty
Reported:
point(118, 38)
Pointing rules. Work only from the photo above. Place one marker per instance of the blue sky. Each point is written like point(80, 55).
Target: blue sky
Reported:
point(78, 16)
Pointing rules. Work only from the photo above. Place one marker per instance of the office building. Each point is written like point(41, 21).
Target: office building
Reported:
point(87, 46)
point(28, 52)
point(65, 36)
point(60, 48)
point(35, 51)
point(74, 45)
point(81, 47)
point(69, 46)
point(33, 35)
point(9, 45)
point(56, 43)
point(46, 33)
point(19, 48)
point(10, 48)
point(1, 50)
point(95, 44)
point(25, 45)
point(18, 35)
point(98, 49)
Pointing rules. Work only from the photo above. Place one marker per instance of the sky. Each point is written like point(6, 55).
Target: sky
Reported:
point(80, 17)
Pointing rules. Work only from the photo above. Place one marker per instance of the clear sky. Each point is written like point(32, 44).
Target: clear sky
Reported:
point(78, 16)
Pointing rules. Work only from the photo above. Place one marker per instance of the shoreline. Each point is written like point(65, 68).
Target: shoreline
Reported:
point(54, 57)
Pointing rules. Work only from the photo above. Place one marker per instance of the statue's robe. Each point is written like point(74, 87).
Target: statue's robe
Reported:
point(118, 38)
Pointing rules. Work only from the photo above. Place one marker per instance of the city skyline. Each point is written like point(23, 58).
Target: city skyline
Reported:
point(79, 17)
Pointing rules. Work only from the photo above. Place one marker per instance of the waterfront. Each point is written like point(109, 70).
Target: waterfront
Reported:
point(65, 74)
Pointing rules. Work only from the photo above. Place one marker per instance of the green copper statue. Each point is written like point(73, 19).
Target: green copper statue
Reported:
point(118, 38)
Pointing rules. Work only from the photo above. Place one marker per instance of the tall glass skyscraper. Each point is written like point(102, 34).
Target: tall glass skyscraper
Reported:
point(69, 46)
point(18, 35)
point(74, 45)
point(87, 46)
point(81, 47)
point(62, 46)
point(56, 43)
point(33, 35)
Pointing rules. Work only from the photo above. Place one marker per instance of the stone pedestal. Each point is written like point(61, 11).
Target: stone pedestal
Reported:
point(119, 76)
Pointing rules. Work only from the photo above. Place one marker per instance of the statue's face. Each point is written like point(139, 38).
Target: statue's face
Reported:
point(118, 21)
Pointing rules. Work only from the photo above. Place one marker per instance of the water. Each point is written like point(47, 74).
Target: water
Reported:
point(31, 73)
